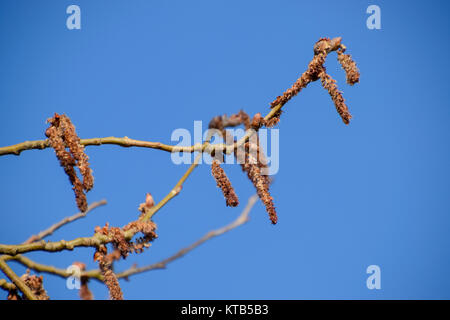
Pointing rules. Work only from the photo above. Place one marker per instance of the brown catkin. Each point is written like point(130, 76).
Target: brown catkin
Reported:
point(224, 184)
point(261, 182)
point(308, 76)
point(77, 150)
point(84, 292)
point(80, 196)
point(349, 66)
point(251, 158)
point(315, 71)
point(109, 277)
point(123, 246)
point(330, 85)
point(222, 122)
point(13, 295)
point(61, 135)
point(257, 121)
point(35, 283)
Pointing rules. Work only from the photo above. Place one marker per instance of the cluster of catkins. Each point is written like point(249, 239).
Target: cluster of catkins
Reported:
point(70, 153)
point(316, 70)
point(34, 283)
point(122, 247)
point(252, 159)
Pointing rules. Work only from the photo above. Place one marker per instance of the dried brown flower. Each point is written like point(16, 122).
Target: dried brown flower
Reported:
point(149, 203)
point(77, 150)
point(61, 135)
point(85, 293)
point(257, 121)
point(330, 84)
point(347, 63)
point(35, 283)
point(253, 166)
point(13, 295)
point(122, 246)
point(311, 74)
point(222, 122)
point(109, 277)
point(315, 71)
point(119, 242)
point(249, 156)
point(224, 184)
point(148, 230)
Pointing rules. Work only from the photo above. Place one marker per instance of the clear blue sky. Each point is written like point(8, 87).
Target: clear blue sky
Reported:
point(373, 192)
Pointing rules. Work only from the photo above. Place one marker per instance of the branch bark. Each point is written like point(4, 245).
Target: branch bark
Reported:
point(96, 274)
point(17, 281)
point(127, 142)
point(66, 220)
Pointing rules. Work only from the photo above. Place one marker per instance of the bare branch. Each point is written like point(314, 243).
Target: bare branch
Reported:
point(243, 218)
point(96, 274)
point(97, 239)
point(321, 49)
point(64, 221)
point(17, 281)
point(8, 286)
point(314, 72)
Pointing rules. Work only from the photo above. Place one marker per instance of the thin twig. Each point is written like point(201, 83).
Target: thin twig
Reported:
point(127, 142)
point(8, 286)
point(36, 266)
point(148, 214)
point(220, 147)
point(95, 274)
point(94, 241)
point(174, 192)
point(17, 281)
point(243, 218)
point(30, 264)
point(64, 221)
point(315, 71)
point(97, 239)
point(322, 48)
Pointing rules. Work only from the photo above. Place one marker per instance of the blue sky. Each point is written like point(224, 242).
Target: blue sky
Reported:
point(373, 192)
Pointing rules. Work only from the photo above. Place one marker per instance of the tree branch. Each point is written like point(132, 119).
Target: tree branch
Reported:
point(174, 192)
point(243, 218)
point(315, 71)
point(95, 274)
point(66, 220)
point(17, 281)
point(97, 239)
point(8, 286)
point(127, 142)
point(35, 266)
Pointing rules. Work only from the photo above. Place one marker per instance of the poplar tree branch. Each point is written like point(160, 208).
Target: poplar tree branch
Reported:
point(8, 286)
point(66, 220)
point(243, 218)
point(97, 239)
point(62, 136)
point(127, 142)
point(17, 281)
point(95, 274)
